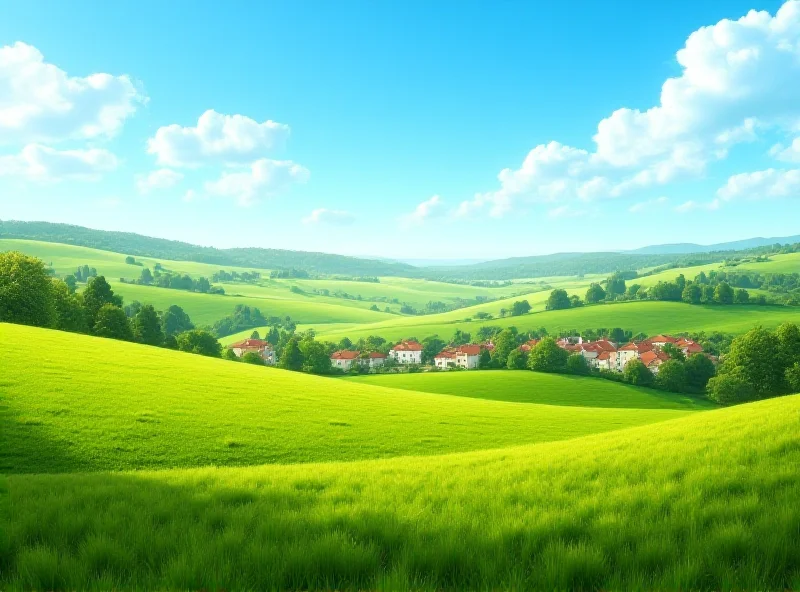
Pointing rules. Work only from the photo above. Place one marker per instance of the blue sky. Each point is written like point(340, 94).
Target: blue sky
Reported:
point(407, 130)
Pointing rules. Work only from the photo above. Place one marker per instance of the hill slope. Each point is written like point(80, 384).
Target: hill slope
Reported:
point(77, 403)
point(710, 501)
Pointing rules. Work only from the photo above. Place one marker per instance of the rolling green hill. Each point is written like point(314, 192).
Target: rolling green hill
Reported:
point(705, 502)
point(78, 403)
point(535, 387)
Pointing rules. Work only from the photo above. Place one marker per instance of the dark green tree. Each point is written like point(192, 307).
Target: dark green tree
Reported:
point(203, 285)
point(617, 335)
point(291, 357)
point(255, 335)
point(755, 357)
point(97, 294)
point(68, 309)
point(615, 286)
point(692, 293)
point(595, 294)
point(576, 364)
point(430, 347)
point(201, 342)
point(517, 360)
point(558, 300)
point(146, 278)
point(175, 321)
point(253, 358)
point(672, 376)
point(741, 296)
point(316, 358)
point(505, 342)
point(699, 370)
point(273, 335)
point(231, 355)
point(520, 307)
point(731, 388)
point(635, 372)
point(793, 377)
point(72, 283)
point(546, 356)
point(485, 360)
point(111, 322)
point(673, 352)
point(723, 294)
point(25, 291)
point(147, 326)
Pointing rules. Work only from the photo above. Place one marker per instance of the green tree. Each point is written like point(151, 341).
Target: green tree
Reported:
point(97, 294)
point(672, 376)
point(617, 335)
point(575, 301)
point(253, 358)
point(505, 342)
point(25, 291)
point(615, 286)
point(730, 388)
point(595, 294)
point(201, 342)
point(576, 364)
point(485, 360)
point(130, 260)
point(692, 293)
point(723, 294)
point(793, 377)
point(430, 347)
point(111, 322)
point(755, 357)
point(147, 326)
point(255, 335)
point(546, 356)
point(520, 307)
point(316, 358)
point(273, 336)
point(673, 352)
point(72, 283)
point(699, 370)
point(231, 355)
point(203, 285)
point(146, 278)
point(68, 309)
point(788, 335)
point(741, 296)
point(175, 321)
point(344, 343)
point(517, 360)
point(708, 293)
point(291, 356)
point(558, 300)
point(635, 372)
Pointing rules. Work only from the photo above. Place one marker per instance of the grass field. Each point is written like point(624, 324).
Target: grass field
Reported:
point(710, 501)
point(535, 387)
point(638, 316)
point(86, 404)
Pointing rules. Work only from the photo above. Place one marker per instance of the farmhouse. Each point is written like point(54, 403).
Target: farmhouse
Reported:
point(373, 360)
point(653, 359)
point(445, 359)
point(256, 346)
point(344, 359)
point(462, 356)
point(407, 352)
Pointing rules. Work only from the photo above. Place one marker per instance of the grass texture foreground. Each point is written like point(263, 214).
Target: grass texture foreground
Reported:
point(710, 501)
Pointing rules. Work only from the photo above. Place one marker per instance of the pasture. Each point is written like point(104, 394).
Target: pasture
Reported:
point(89, 404)
point(707, 501)
point(523, 386)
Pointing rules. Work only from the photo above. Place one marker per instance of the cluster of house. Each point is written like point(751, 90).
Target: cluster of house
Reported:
point(607, 355)
point(601, 354)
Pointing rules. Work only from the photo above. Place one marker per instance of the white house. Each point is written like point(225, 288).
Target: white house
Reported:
point(445, 359)
point(373, 360)
point(344, 359)
point(468, 356)
point(256, 346)
point(407, 352)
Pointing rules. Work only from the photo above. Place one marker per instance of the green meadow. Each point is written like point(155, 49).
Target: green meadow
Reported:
point(535, 387)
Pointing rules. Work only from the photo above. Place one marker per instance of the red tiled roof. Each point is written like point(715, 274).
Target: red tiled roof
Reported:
point(470, 350)
point(445, 354)
point(249, 343)
point(345, 354)
point(408, 346)
point(605, 345)
point(604, 355)
point(649, 357)
point(376, 355)
point(662, 339)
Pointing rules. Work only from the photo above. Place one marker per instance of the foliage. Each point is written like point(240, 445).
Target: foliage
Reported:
point(252, 358)
point(111, 322)
point(25, 291)
point(517, 360)
point(201, 342)
point(636, 373)
point(576, 364)
point(520, 307)
point(546, 356)
point(175, 321)
point(291, 356)
point(793, 377)
point(558, 300)
point(595, 294)
point(504, 343)
point(316, 358)
point(97, 294)
point(699, 370)
point(672, 376)
point(67, 309)
point(730, 388)
point(147, 326)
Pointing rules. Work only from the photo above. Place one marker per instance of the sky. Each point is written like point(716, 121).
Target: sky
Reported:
point(408, 130)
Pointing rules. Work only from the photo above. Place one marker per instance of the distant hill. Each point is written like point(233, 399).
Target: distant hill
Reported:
point(144, 246)
point(684, 248)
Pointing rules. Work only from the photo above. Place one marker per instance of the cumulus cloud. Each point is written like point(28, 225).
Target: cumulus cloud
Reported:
point(762, 185)
point(429, 208)
point(42, 163)
point(216, 138)
point(158, 179)
point(648, 204)
point(263, 178)
point(326, 216)
point(789, 153)
point(40, 103)
point(733, 84)
point(565, 212)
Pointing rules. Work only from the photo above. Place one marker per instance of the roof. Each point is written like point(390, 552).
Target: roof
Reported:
point(690, 346)
point(470, 350)
point(445, 354)
point(604, 344)
point(250, 343)
point(641, 347)
point(604, 355)
point(345, 354)
point(662, 339)
point(653, 356)
point(376, 355)
point(408, 346)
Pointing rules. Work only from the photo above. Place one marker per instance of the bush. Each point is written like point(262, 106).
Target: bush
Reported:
point(730, 388)
point(200, 342)
point(546, 356)
point(112, 322)
point(699, 370)
point(516, 360)
point(25, 291)
point(576, 364)
point(793, 377)
point(636, 373)
point(672, 376)
point(253, 358)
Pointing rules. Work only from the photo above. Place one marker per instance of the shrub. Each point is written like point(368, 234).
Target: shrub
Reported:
point(112, 322)
point(546, 356)
point(200, 342)
point(576, 364)
point(253, 358)
point(636, 373)
point(731, 388)
point(25, 290)
point(672, 376)
point(516, 360)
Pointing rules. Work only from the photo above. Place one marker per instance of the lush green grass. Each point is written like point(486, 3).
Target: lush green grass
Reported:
point(706, 502)
point(638, 316)
point(789, 263)
point(78, 403)
point(535, 387)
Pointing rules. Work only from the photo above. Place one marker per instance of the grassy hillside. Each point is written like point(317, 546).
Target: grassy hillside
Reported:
point(535, 387)
point(710, 501)
point(79, 403)
point(789, 263)
point(638, 316)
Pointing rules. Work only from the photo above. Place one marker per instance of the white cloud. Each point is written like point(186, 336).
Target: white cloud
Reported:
point(429, 208)
point(263, 178)
point(762, 184)
point(159, 179)
point(692, 205)
point(40, 103)
point(789, 153)
point(216, 138)
point(42, 163)
point(565, 212)
point(648, 204)
point(733, 84)
point(326, 216)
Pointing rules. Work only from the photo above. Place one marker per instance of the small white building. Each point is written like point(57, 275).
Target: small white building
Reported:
point(256, 346)
point(407, 352)
point(344, 359)
point(468, 356)
point(445, 360)
point(374, 360)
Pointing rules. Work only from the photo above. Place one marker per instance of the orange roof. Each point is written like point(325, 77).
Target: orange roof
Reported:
point(376, 355)
point(662, 339)
point(650, 357)
point(445, 354)
point(245, 343)
point(345, 354)
point(605, 345)
point(470, 350)
point(604, 355)
point(408, 346)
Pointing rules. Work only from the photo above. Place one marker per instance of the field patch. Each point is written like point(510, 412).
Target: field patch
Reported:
point(522, 386)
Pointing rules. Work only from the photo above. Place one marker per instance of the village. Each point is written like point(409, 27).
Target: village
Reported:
point(602, 354)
